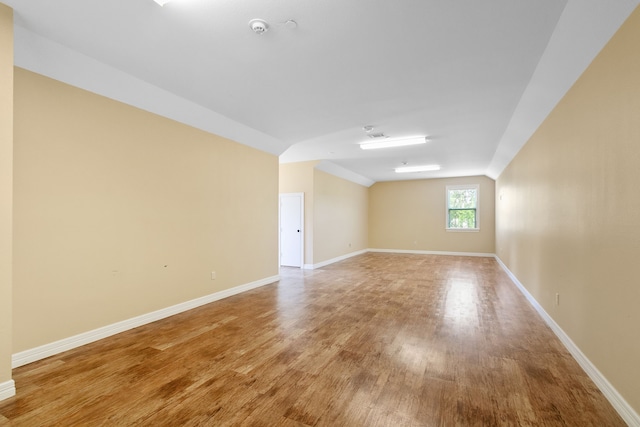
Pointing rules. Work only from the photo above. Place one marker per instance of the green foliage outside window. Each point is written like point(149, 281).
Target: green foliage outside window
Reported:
point(462, 207)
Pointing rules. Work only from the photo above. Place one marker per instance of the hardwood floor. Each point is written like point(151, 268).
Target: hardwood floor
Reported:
point(376, 340)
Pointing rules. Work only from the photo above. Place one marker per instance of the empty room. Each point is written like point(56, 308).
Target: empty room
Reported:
point(297, 213)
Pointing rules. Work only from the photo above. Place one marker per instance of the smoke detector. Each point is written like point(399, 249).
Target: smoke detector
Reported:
point(258, 26)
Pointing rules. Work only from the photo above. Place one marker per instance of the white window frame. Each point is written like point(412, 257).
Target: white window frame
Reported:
point(475, 187)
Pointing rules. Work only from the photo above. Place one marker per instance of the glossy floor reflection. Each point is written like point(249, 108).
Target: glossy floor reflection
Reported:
point(376, 340)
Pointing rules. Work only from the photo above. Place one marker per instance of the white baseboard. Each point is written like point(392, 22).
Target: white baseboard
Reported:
point(56, 347)
point(417, 252)
point(7, 389)
point(617, 401)
point(332, 260)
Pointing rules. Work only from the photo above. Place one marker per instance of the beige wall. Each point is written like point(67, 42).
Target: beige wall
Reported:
point(335, 211)
point(569, 217)
point(119, 212)
point(411, 215)
point(340, 212)
point(6, 187)
point(298, 178)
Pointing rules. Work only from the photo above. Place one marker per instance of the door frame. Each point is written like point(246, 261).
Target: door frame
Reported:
point(301, 196)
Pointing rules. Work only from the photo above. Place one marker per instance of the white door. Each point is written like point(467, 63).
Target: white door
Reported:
point(291, 229)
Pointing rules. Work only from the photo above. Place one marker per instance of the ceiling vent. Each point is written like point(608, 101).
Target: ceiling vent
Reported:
point(376, 135)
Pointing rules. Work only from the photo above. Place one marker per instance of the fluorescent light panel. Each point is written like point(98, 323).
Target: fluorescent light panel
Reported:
point(425, 168)
point(393, 142)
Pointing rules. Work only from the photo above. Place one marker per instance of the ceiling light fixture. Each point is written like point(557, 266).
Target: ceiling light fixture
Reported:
point(425, 168)
point(162, 2)
point(393, 142)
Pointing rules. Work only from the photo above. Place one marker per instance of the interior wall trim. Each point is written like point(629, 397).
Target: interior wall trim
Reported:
point(41, 352)
point(333, 260)
point(628, 414)
point(410, 251)
point(7, 389)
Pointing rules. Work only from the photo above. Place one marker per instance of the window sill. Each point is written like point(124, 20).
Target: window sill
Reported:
point(464, 230)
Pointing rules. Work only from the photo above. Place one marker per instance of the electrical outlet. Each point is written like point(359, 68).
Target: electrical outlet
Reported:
point(213, 275)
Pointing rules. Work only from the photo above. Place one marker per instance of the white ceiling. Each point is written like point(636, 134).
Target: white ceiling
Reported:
point(476, 77)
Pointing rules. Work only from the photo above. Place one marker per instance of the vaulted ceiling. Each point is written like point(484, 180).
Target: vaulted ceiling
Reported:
point(476, 77)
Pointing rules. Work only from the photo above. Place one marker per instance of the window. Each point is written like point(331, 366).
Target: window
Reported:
point(462, 207)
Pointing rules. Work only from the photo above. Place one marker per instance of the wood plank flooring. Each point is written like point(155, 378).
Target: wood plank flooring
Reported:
point(376, 340)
